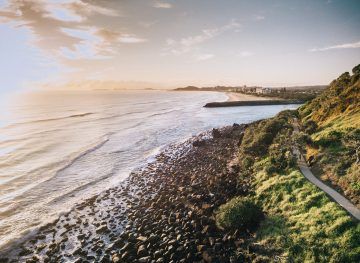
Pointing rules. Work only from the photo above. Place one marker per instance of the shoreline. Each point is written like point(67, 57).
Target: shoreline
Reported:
point(105, 224)
point(236, 96)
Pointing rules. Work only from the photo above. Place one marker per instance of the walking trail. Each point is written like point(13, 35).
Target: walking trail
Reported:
point(304, 168)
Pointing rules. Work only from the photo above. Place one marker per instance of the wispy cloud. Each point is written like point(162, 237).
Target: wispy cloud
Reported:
point(66, 29)
point(111, 36)
point(203, 57)
point(159, 4)
point(186, 44)
point(258, 17)
point(342, 46)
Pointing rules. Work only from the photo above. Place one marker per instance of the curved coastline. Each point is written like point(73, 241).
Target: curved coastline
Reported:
point(101, 224)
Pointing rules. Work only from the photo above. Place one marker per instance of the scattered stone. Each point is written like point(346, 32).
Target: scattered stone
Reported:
point(163, 213)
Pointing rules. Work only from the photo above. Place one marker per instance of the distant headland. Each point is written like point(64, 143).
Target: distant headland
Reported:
point(255, 95)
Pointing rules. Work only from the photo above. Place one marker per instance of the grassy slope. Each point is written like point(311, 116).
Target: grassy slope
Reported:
point(302, 224)
point(336, 113)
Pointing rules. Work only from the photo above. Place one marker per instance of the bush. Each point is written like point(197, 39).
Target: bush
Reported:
point(342, 166)
point(280, 159)
point(332, 139)
point(239, 213)
point(310, 127)
point(303, 139)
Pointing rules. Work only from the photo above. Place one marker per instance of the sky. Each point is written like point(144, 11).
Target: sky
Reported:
point(169, 43)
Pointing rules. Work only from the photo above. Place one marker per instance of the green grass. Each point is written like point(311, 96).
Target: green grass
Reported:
point(340, 123)
point(303, 221)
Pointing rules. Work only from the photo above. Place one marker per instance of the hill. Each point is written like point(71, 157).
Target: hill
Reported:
point(332, 134)
point(301, 223)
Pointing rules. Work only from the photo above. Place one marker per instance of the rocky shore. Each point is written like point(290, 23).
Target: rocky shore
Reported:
point(163, 212)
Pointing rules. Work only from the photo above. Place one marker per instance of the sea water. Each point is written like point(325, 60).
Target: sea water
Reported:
point(60, 147)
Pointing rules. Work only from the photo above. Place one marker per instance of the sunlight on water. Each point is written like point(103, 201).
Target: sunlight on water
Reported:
point(57, 148)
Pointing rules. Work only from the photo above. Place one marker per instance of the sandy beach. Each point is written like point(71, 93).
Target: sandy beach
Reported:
point(233, 96)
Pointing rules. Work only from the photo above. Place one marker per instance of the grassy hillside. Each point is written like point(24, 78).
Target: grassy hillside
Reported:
point(300, 222)
point(332, 128)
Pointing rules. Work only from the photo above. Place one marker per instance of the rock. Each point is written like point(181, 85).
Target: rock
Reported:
point(115, 258)
point(216, 133)
point(125, 255)
point(144, 259)
point(25, 252)
point(142, 238)
point(206, 257)
point(153, 239)
point(217, 246)
point(158, 253)
point(34, 259)
point(199, 143)
point(81, 236)
point(142, 251)
point(235, 125)
point(102, 229)
point(201, 248)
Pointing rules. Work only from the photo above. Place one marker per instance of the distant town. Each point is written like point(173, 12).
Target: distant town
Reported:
point(296, 92)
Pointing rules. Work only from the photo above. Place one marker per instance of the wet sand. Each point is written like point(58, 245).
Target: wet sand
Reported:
point(163, 212)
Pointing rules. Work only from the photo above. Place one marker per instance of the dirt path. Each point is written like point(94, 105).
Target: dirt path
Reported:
point(304, 168)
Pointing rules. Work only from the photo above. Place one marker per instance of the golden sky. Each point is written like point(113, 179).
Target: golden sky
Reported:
point(175, 43)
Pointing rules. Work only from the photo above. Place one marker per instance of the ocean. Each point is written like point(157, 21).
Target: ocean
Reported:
point(60, 147)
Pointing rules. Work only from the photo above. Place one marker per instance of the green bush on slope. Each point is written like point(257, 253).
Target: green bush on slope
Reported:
point(239, 213)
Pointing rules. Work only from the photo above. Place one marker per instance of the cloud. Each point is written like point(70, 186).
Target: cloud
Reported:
point(186, 44)
point(85, 9)
point(131, 39)
point(114, 36)
point(342, 46)
point(259, 17)
point(203, 57)
point(67, 29)
point(165, 5)
point(147, 24)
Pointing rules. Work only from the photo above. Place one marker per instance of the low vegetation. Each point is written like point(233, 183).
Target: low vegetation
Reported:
point(239, 213)
point(331, 123)
point(301, 223)
point(293, 94)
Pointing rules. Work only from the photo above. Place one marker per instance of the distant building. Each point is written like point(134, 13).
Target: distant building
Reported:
point(266, 90)
point(260, 90)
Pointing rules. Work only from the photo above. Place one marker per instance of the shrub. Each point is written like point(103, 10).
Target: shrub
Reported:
point(332, 139)
point(310, 127)
point(239, 213)
point(303, 139)
point(356, 70)
point(342, 166)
